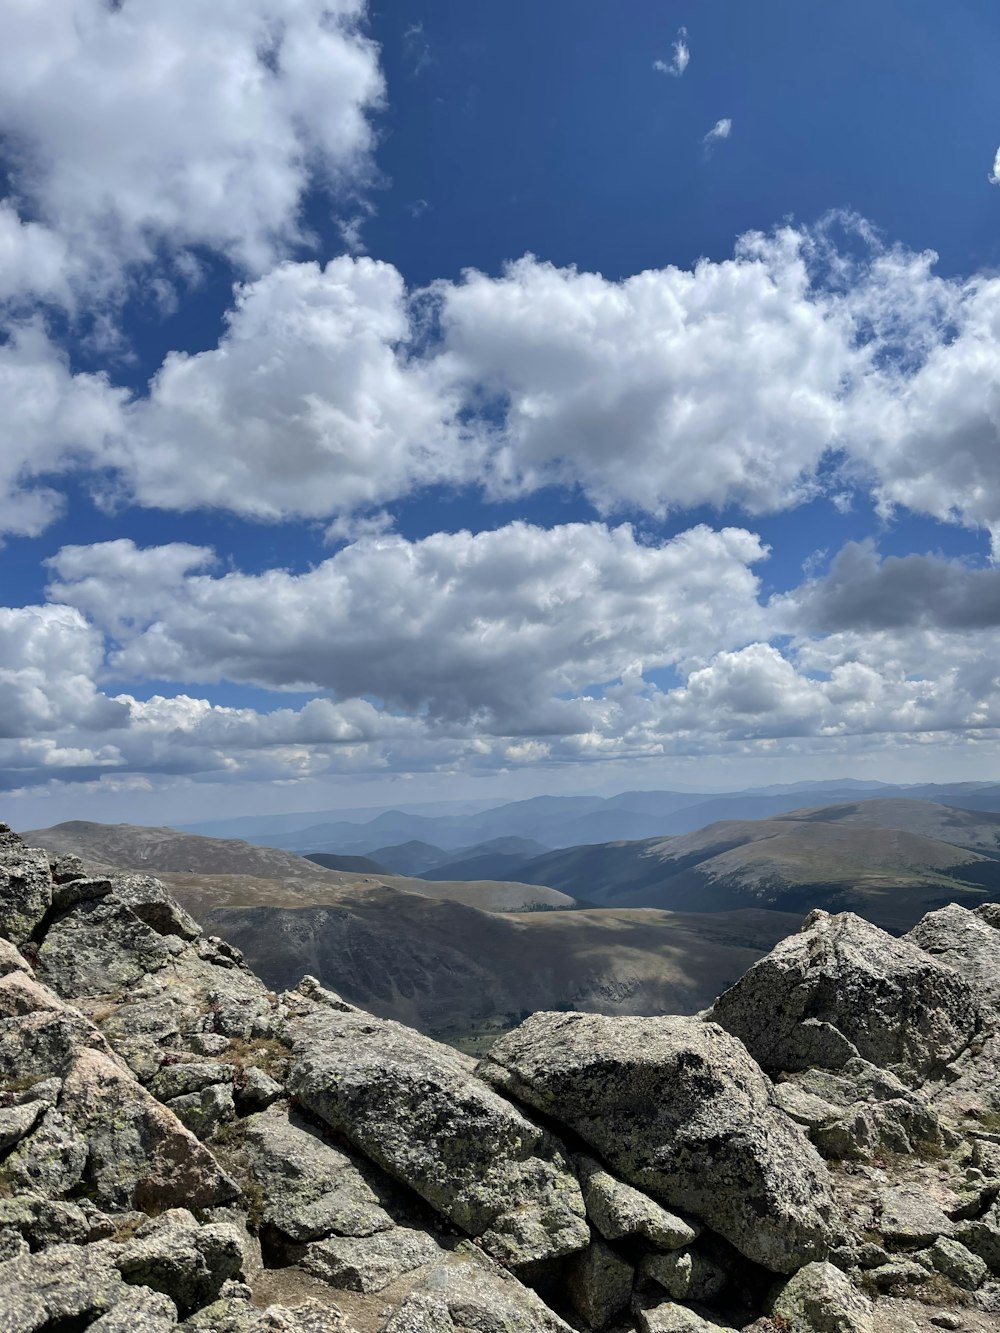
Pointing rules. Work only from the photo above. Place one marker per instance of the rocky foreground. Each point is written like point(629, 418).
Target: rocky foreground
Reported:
point(182, 1149)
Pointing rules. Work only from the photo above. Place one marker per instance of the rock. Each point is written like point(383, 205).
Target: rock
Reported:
point(966, 942)
point(821, 1299)
point(618, 1210)
point(177, 1080)
point(982, 1237)
point(16, 1122)
point(655, 1316)
point(908, 1216)
point(174, 1255)
point(51, 1161)
point(11, 959)
point(372, 1262)
point(65, 868)
point(677, 1108)
point(599, 1284)
point(25, 892)
point(886, 999)
point(467, 1292)
point(60, 1288)
point(209, 1043)
point(77, 890)
point(685, 1275)
point(205, 1112)
point(804, 1107)
point(139, 1311)
point(897, 1277)
point(42, 1221)
point(412, 1106)
point(151, 902)
point(254, 1090)
point(100, 948)
point(138, 1153)
point(946, 1319)
point(956, 1262)
point(308, 1187)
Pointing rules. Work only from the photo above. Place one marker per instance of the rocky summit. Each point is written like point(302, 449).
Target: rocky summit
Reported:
point(183, 1149)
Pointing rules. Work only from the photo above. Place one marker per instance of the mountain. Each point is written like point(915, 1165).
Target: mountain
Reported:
point(566, 821)
point(186, 1149)
point(499, 858)
point(890, 860)
point(298, 880)
point(411, 858)
point(357, 865)
point(440, 962)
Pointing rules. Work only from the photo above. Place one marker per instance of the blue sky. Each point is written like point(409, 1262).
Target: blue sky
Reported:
point(414, 401)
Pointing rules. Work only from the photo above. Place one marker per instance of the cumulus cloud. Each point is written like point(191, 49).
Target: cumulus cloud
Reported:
point(718, 385)
point(719, 131)
point(680, 59)
point(494, 629)
point(51, 422)
point(310, 405)
point(138, 127)
point(862, 591)
point(995, 173)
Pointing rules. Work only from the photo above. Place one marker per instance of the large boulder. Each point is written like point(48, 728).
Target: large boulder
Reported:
point(414, 1107)
point(677, 1107)
point(842, 988)
point(965, 941)
point(25, 888)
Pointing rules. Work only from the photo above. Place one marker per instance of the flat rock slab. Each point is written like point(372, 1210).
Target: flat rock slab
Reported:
point(311, 1188)
point(370, 1263)
point(412, 1106)
point(909, 1216)
point(677, 1107)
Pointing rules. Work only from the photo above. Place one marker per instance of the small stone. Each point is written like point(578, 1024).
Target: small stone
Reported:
point(947, 1319)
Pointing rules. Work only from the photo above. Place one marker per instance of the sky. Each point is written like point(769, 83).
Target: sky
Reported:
point(419, 401)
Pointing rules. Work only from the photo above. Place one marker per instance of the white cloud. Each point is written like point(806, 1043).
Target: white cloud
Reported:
point(169, 123)
point(680, 60)
point(490, 630)
point(720, 130)
point(51, 422)
point(310, 405)
point(995, 173)
point(669, 389)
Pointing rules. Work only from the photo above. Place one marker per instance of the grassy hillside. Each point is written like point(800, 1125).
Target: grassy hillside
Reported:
point(890, 861)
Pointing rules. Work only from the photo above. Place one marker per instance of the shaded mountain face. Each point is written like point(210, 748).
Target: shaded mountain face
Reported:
point(888, 860)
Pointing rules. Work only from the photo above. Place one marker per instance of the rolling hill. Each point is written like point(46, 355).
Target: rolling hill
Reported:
point(889, 860)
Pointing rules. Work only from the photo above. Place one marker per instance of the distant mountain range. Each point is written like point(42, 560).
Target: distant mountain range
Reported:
point(457, 831)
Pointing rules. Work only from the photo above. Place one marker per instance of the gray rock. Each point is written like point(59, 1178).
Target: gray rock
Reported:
point(896, 1278)
point(618, 1210)
point(139, 1311)
point(52, 1160)
point(187, 1262)
point(677, 1108)
point(411, 1105)
point(151, 902)
point(138, 1153)
point(982, 1237)
point(966, 942)
point(906, 1215)
point(804, 1107)
point(952, 1259)
point(821, 1299)
point(60, 1287)
point(372, 1262)
point(889, 1001)
point(657, 1316)
point(308, 1187)
point(209, 1043)
point(25, 892)
point(204, 1113)
point(11, 959)
point(99, 948)
point(255, 1091)
point(42, 1221)
point(177, 1080)
point(66, 867)
point(16, 1122)
point(685, 1275)
point(599, 1284)
point(469, 1293)
point(77, 890)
